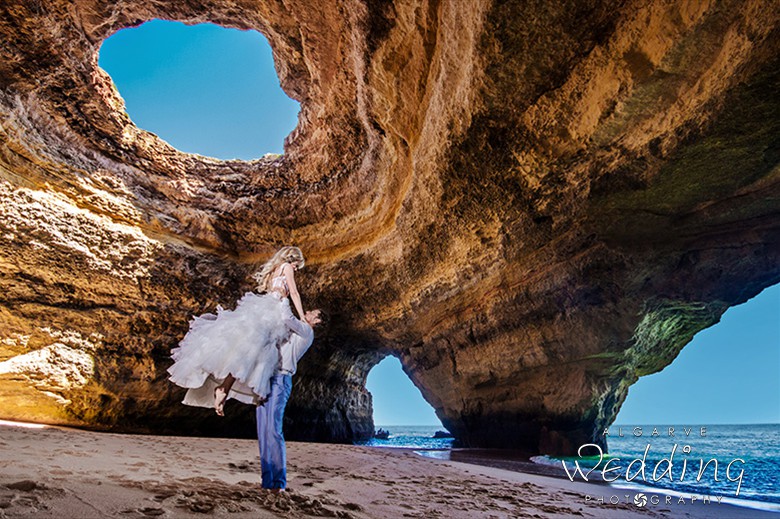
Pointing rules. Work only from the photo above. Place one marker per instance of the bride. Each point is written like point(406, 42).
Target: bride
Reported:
point(234, 354)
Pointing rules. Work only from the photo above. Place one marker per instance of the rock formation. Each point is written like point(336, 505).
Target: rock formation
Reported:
point(530, 203)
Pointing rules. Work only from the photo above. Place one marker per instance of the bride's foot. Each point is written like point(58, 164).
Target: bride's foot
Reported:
point(220, 395)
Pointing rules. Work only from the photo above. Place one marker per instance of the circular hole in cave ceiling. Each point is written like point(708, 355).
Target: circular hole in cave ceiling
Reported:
point(203, 88)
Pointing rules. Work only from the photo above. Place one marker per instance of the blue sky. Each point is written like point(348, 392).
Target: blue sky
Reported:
point(728, 373)
point(396, 399)
point(203, 89)
point(214, 91)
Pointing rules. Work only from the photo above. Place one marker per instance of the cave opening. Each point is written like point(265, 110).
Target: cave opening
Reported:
point(396, 401)
point(728, 373)
point(205, 89)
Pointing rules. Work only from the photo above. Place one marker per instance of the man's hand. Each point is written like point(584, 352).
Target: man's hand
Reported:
point(313, 317)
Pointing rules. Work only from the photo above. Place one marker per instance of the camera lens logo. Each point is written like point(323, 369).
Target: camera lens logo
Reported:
point(640, 500)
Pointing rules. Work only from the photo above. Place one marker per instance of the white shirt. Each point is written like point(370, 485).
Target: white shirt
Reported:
point(298, 343)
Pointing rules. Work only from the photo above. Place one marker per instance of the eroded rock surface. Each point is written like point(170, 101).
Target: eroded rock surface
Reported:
point(532, 204)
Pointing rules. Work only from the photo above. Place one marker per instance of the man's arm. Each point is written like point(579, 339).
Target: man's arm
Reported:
point(299, 327)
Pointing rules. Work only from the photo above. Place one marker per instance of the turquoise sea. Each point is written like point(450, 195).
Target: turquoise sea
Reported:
point(411, 436)
point(752, 450)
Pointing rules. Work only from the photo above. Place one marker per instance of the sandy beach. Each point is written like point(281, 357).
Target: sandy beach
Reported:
point(62, 473)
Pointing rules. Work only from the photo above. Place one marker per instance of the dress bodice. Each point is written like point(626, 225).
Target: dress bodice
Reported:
point(280, 283)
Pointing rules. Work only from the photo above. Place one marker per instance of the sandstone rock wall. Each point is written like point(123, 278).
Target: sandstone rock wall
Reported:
point(532, 204)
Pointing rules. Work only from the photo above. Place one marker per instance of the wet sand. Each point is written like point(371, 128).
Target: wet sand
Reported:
point(56, 472)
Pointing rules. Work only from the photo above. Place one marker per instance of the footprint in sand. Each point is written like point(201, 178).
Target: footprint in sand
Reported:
point(162, 496)
point(148, 511)
point(25, 485)
point(27, 495)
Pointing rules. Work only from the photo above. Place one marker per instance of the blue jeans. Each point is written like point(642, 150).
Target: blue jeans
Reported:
point(270, 415)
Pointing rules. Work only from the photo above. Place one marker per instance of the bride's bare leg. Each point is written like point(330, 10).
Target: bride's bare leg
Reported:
point(221, 393)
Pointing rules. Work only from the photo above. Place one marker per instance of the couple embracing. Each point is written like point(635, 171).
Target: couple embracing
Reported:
point(250, 354)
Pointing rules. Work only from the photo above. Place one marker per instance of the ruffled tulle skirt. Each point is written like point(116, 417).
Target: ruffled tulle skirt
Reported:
point(242, 342)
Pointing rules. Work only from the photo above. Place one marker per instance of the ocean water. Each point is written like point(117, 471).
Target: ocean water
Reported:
point(411, 436)
point(758, 446)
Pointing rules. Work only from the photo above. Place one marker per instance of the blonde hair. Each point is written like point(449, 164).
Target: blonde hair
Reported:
point(284, 255)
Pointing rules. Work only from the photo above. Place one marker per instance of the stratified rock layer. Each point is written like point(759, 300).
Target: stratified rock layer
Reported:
point(531, 204)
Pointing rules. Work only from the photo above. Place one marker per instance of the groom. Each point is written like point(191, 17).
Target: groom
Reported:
point(270, 414)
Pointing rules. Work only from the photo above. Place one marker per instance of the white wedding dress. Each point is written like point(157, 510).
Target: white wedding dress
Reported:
point(242, 342)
